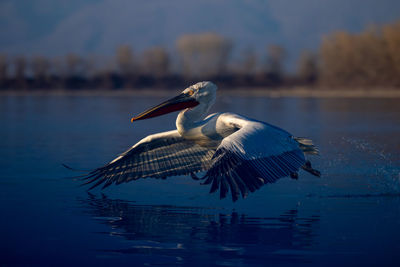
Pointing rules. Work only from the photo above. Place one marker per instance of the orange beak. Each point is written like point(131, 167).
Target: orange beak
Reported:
point(180, 102)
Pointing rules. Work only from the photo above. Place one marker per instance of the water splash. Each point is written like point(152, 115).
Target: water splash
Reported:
point(380, 167)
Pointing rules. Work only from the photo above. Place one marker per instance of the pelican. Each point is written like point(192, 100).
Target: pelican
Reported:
point(237, 154)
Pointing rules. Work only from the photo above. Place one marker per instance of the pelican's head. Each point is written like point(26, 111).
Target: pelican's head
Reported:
point(202, 93)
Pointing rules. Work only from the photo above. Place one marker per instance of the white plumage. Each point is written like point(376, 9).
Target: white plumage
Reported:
point(237, 153)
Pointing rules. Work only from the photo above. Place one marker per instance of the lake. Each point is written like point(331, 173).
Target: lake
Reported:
point(349, 216)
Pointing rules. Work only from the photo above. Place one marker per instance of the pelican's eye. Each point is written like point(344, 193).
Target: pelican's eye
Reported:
point(190, 92)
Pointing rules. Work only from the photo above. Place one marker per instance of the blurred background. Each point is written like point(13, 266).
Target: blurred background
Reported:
point(123, 44)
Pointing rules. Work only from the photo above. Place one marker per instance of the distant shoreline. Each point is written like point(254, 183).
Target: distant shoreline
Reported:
point(261, 92)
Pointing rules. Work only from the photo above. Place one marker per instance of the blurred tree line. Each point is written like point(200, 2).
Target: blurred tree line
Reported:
point(369, 58)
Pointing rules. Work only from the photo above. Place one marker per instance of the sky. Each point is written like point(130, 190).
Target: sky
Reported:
point(57, 27)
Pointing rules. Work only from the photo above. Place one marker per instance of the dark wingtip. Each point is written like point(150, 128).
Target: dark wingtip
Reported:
point(72, 169)
point(78, 177)
point(67, 167)
point(95, 185)
point(107, 184)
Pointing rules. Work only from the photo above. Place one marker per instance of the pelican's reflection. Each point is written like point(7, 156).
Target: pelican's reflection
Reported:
point(193, 235)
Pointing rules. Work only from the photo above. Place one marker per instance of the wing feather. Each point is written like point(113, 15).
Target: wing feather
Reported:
point(156, 156)
point(256, 154)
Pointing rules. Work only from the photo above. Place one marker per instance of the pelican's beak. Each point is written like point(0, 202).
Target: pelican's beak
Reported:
point(180, 102)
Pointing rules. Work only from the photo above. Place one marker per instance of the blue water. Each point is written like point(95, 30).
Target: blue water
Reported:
point(349, 216)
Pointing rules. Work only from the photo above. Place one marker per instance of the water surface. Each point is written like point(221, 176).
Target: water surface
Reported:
point(351, 215)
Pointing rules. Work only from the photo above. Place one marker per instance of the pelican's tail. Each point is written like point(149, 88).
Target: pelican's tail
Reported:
point(306, 145)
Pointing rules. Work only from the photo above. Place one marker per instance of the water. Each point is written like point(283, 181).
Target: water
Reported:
point(351, 215)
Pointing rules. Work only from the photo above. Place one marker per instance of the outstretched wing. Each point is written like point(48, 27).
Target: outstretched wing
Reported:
point(159, 155)
point(256, 154)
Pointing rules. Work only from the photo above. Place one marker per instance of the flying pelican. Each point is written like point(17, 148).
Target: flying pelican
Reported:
point(237, 153)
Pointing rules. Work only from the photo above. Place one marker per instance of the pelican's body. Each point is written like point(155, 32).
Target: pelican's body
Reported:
point(237, 153)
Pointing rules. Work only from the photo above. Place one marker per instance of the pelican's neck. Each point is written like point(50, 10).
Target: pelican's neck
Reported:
point(191, 118)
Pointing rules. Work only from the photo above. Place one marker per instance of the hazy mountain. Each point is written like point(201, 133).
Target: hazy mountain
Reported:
point(98, 26)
